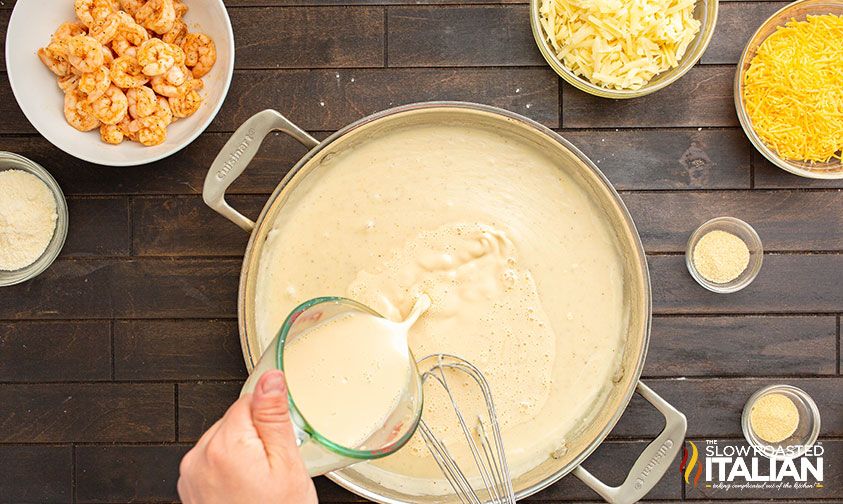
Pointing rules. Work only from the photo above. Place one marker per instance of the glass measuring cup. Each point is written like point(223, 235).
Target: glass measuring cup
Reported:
point(322, 455)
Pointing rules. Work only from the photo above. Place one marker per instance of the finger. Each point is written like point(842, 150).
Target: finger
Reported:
point(271, 417)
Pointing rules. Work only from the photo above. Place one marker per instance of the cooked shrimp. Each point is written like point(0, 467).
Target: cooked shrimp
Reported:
point(112, 106)
point(84, 53)
point(200, 53)
point(92, 12)
point(181, 9)
point(67, 30)
point(79, 112)
point(142, 101)
point(157, 57)
point(123, 126)
point(132, 6)
point(186, 105)
point(105, 31)
point(69, 81)
point(107, 56)
point(150, 130)
point(177, 34)
point(95, 83)
point(164, 111)
point(129, 36)
point(161, 86)
point(178, 74)
point(57, 64)
point(126, 73)
point(111, 134)
point(157, 15)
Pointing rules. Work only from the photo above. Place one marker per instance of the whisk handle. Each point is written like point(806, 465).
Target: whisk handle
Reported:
point(653, 461)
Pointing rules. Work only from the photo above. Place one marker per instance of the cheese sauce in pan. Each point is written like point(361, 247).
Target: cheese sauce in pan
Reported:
point(523, 270)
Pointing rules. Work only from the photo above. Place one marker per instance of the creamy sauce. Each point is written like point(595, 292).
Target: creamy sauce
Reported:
point(349, 373)
point(522, 268)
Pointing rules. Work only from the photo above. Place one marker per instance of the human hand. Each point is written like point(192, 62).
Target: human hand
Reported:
point(250, 455)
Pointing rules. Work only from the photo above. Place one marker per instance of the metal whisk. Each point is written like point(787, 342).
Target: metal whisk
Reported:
point(489, 457)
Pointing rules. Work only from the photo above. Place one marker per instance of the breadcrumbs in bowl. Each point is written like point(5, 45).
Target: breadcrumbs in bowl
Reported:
point(724, 255)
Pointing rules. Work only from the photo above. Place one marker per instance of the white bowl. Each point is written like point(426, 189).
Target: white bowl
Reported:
point(31, 26)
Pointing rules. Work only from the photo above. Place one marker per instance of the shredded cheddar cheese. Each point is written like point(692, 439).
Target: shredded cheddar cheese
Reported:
point(793, 89)
point(619, 44)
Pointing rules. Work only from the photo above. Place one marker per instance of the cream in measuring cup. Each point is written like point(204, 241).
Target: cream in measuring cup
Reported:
point(354, 389)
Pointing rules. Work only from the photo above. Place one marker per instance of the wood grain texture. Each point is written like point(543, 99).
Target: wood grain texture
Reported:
point(187, 226)
point(177, 350)
point(86, 412)
point(832, 484)
point(742, 346)
point(55, 351)
point(736, 22)
point(127, 289)
point(461, 36)
point(314, 37)
point(327, 100)
point(714, 407)
point(201, 404)
point(121, 473)
point(13, 119)
point(701, 98)
point(668, 159)
point(769, 176)
point(786, 284)
point(35, 474)
point(666, 220)
point(100, 228)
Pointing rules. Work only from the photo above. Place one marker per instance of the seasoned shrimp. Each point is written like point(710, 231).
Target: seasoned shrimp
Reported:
point(112, 106)
point(79, 112)
point(177, 34)
point(84, 53)
point(67, 30)
point(200, 53)
point(157, 57)
point(56, 63)
point(123, 126)
point(186, 105)
point(164, 111)
point(95, 83)
point(111, 134)
point(126, 73)
point(69, 81)
point(107, 56)
point(178, 74)
point(181, 9)
point(142, 101)
point(150, 130)
point(105, 31)
point(132, 6)
point(157, 15)
point(163, 87)
point(92, 12)
point(129, 36)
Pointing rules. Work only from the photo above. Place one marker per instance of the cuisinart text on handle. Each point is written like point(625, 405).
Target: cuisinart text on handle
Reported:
point(667, 445)
point(235, 156)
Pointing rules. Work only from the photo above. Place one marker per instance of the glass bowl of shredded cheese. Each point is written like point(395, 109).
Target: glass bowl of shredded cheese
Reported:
point(33, 219)
point(622, 48)
point(781, 421)
point(789, 89)
point(724, 255)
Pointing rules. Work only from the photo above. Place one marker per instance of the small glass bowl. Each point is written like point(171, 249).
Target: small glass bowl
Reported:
point(743, 231)
point(803, 437)
point(704, 10)
point(11, 161)
point(799, 10)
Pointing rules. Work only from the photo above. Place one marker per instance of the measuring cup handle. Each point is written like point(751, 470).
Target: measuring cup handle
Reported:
point(653, 461)
point(236, 155)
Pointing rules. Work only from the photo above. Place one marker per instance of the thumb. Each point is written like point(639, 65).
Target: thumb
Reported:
point(271, 416)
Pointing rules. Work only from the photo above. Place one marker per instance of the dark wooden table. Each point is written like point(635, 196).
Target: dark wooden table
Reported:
point(114, 361)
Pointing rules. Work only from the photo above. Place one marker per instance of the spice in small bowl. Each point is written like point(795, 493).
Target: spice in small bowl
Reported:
point(781, 421)
point(724, 255)
point(33, 219)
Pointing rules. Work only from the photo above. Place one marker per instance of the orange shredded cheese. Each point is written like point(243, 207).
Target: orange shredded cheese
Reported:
point(793, 89)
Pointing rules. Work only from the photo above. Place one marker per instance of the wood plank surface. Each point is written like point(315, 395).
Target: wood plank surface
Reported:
point(203, 403)
point(736, 22)
point(100, 228)
point(86, 412)
point(45, 469)
point(177, 350)
point(55, 351)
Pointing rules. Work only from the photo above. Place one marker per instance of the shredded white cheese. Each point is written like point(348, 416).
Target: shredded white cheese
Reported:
point(619, 44)
point(27, 218)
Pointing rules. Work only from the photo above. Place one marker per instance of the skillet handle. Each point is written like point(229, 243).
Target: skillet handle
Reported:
point(653, 461)
point(236, 155)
